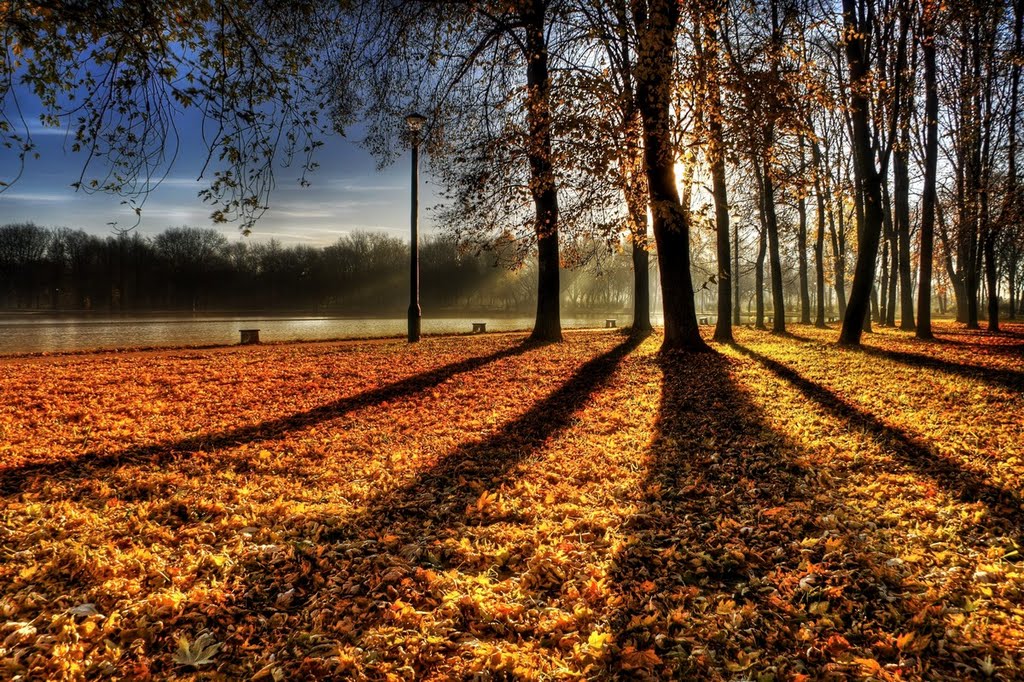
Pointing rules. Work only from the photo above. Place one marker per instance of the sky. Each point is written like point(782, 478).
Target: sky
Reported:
point(348, 193)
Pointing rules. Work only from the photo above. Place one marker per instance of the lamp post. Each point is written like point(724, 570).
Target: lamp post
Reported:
point(415, 122)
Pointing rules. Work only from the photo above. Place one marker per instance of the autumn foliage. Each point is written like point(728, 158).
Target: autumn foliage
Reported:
point(782, 509)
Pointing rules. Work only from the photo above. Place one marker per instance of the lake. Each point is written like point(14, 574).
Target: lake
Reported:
point(48, 333)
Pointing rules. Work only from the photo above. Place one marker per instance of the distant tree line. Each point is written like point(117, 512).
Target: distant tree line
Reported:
point(197, 269)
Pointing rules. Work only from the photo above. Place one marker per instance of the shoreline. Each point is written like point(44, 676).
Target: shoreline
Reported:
point(56, 354)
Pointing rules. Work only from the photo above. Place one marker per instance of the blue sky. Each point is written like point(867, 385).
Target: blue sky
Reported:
point(348, 193)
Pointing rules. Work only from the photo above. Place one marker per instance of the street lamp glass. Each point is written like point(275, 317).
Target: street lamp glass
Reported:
point(415, 121)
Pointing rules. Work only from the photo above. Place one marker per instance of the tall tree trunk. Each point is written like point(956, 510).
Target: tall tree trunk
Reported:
point(883, 309)
point(547, 326)
point(1012, 277)
point(894, 266)
point(901, 187)
point(801, 239)
point(774, 259)
point(656, 23)
point(890, 262)
point(989, 227)
point(969, 256)
point(762, 249)
point(868, 176)
point(641, 274)
point(633, 178)
point(819, 238)
point(635, 190)
point(930, 9)
point(1013, 205)
point(858, 201)
point(736, 274)
point(723, 323)
point(901, 180)
point(992, 283)
point(839, 257)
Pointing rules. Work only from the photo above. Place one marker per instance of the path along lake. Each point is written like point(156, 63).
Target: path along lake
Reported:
point(50, 333)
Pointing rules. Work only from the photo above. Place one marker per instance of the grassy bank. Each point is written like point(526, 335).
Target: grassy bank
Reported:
point(479, 505)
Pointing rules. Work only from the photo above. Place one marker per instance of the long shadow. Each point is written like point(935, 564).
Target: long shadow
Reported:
point(406, 535)
point(963, 483)
point(1014, 348)
point(18, 478)
point(740, 549)
point(1005, 378)
point(710, 475)
point(1003, 332)
point(442, 492)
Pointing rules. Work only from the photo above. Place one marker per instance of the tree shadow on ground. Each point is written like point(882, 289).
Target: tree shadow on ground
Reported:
point(737, 564)
point(1004, 378)
point(965, 484)
point(18, 478)
point(364, 578)
point(1013, 348)
point(711, 476)
point(1004, 332)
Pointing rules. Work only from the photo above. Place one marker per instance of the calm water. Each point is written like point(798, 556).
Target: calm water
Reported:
point(31, 334)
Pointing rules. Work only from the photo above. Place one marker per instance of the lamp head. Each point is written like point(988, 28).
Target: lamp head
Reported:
point(415, 121)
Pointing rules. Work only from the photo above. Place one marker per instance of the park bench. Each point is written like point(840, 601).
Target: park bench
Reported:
point(479, 327)
point(609, 323)
point(249, 336)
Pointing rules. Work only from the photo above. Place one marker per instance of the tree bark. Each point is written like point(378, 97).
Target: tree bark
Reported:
point(762, 249)
point(819, 239)
point(801, 238)
point(869, 177)
point(641, 272)
point(838, 235)
point(1013, 204)
point(656, 23)
point(723, 323)
point(774, 259)
point(547, 326)
point(634, 184)
point(901, 181)
point(736, 274)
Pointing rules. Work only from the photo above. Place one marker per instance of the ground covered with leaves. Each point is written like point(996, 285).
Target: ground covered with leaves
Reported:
point(782, 509)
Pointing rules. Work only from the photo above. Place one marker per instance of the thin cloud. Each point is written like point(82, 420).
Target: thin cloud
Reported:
point(38, 197)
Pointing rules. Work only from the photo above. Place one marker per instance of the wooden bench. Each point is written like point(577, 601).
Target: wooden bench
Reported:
point(702, 320)
point(609, 323)
point(249, 336)
point(479, 327)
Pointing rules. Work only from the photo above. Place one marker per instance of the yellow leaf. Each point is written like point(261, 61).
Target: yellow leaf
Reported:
point(598, 640)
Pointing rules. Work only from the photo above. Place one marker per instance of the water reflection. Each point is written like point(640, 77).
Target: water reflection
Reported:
point(30, 334)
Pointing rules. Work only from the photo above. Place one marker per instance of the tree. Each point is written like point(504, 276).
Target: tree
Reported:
point(117, 74)
point(482, 73)
point(928, 18)
point(194, 257)
point(605, 97)
point(858, 32)
point(765, 77)
point(706, 41)
point(657, 23)
point(22, 248)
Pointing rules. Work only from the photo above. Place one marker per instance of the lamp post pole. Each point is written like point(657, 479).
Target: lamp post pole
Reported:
point(415, 122)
